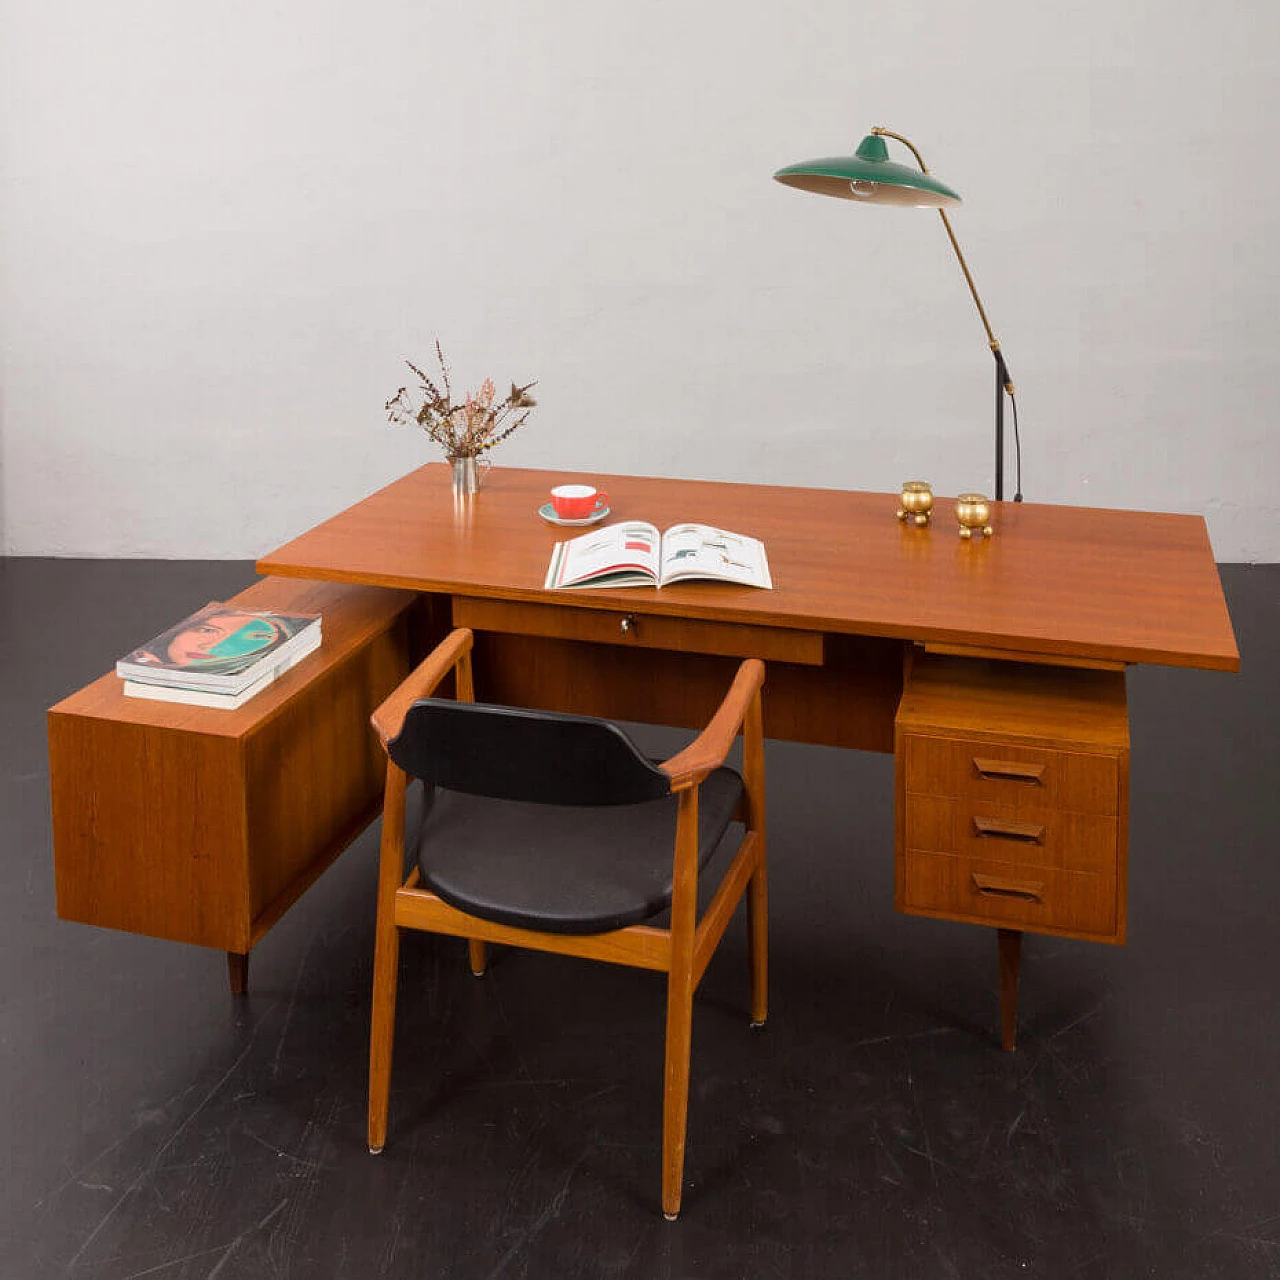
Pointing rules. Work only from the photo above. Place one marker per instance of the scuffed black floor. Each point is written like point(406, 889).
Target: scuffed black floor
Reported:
point(158, 1127)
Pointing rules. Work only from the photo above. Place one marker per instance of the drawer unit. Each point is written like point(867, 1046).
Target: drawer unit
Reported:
point(1012, 796)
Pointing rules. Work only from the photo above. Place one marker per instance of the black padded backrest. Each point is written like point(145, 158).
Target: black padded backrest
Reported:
point(513, 754)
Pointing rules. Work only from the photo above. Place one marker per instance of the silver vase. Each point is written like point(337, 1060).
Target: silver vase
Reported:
point(467, 473)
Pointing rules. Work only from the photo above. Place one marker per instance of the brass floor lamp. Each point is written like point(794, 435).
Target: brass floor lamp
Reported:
point(869, 176)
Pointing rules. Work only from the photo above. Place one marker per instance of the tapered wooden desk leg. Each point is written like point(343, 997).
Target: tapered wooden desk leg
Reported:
point(476, 953)
point(1009, 946)
point(238, 971)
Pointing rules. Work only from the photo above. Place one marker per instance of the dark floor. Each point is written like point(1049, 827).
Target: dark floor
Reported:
point(159, 1127)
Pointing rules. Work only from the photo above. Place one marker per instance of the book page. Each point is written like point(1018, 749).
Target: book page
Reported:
point(701, 551)
point(619, 555)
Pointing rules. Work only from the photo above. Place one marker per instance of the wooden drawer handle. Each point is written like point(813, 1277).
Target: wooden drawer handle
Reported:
point(994, 887)
point(1010, 771)
point(1028, 832)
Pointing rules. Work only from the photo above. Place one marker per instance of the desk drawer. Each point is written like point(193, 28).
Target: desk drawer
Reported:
point(1014, 777)
point(987, 892)
point(639, 630)
point(1018, 837)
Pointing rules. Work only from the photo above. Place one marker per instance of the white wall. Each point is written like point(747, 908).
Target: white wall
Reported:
point(222, 226)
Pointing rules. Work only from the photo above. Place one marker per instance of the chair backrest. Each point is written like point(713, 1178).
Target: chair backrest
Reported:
point(514, 754)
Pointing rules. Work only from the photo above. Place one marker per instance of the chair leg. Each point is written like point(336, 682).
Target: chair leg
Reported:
point(477, 953)
point(675, 1094)
point(386, 963)
point(757, 886)
point(758, 943)
point(386, 955)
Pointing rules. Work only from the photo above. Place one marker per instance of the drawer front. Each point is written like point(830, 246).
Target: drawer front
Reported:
point(1050, 838)
point(1012, 777)
point(987, 892)
point(639, 630)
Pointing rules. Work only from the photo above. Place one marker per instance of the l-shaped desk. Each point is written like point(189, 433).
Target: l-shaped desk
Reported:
point(992, 668)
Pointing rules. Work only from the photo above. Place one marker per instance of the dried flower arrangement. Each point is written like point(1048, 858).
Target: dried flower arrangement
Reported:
point(465, 430)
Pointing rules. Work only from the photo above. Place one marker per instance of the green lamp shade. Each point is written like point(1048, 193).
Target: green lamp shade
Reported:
point(869, 176)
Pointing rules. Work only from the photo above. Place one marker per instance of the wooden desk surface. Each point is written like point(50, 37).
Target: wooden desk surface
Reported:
point(1070, 582)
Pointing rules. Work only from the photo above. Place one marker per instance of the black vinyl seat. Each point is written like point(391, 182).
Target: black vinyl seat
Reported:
point(554, 832)
point(564, 868)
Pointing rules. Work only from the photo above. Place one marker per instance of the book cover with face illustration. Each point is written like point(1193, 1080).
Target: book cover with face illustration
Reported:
point(220, 640)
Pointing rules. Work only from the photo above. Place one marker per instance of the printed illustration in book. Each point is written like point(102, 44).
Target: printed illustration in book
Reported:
point(635, 554)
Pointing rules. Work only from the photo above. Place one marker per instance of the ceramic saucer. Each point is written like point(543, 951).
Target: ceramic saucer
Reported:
point(548, 513)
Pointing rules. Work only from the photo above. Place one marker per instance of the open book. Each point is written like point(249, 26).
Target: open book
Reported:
point(635, 554)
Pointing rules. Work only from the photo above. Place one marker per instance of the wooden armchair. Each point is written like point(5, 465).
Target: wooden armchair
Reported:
point(554, 832)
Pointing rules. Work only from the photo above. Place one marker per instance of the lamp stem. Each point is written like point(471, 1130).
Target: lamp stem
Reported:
point(1002, 377)
point(1003, 382)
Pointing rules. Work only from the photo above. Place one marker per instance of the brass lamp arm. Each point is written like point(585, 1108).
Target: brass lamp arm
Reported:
point(955, 244)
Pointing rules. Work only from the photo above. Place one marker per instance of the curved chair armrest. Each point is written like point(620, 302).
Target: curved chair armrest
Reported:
point(421, 682)
point(708, 750)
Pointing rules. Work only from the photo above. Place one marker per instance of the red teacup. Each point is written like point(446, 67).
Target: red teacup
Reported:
point(577, 501)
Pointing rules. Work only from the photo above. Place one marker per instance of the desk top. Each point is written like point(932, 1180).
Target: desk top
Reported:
point(1068, 582)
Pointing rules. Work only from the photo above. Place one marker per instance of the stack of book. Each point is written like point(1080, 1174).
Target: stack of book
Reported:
point(221, 656)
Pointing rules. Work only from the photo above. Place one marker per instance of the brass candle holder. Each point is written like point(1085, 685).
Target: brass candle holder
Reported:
point(917, 502)
point(973, 512)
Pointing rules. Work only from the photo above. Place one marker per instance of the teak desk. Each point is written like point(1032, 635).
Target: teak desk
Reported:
point(1012, 749)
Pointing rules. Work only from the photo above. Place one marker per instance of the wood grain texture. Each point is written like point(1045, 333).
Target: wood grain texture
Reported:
point(1005, 702)
point(149, 827)
point(203, 825)
point(314, 770)
point(961, 767)
point(1070, 841)
point(847, 702)
point(1073, 904)
point(1118, 586)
